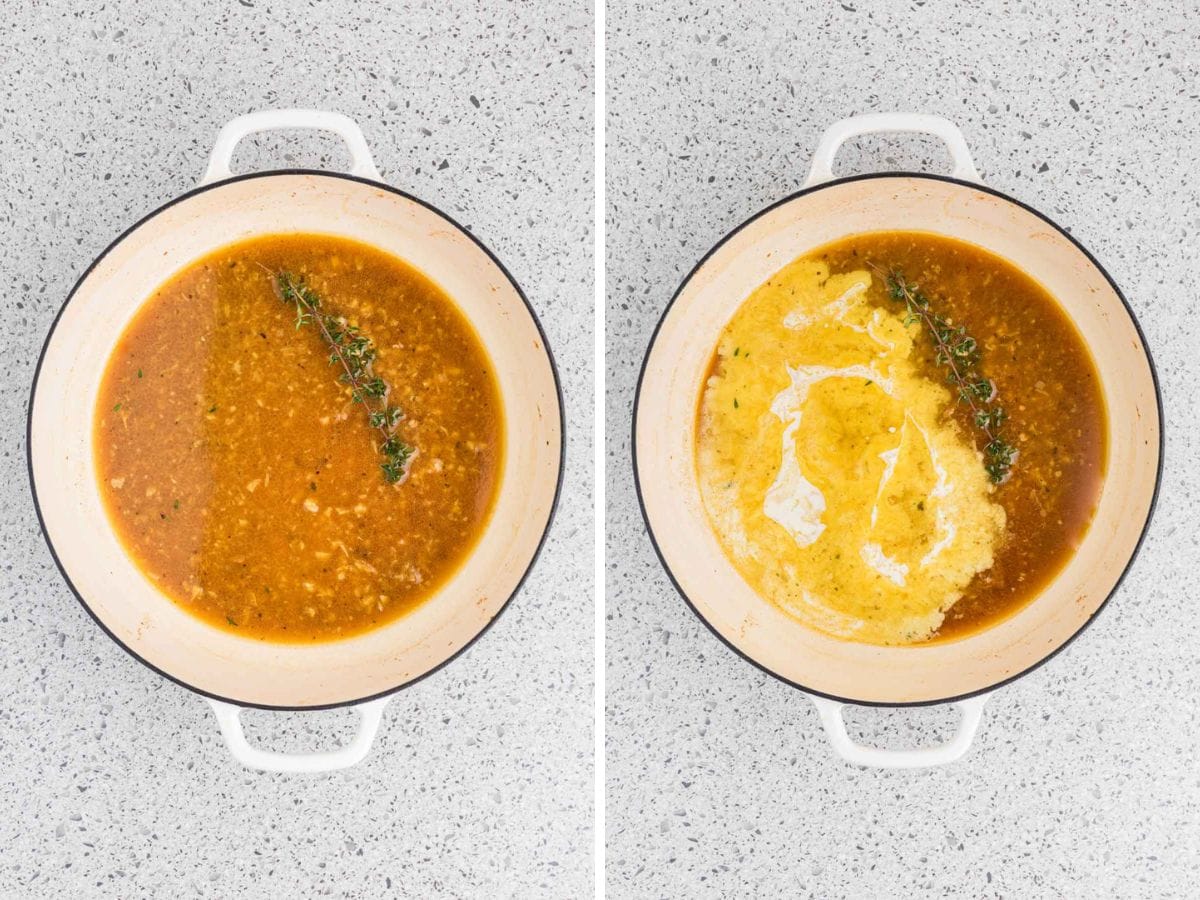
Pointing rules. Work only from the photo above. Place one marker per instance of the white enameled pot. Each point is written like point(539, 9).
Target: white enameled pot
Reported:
point(834, 672)
point(235, 672)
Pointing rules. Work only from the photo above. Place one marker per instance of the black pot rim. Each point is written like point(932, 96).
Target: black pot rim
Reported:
point(379, 186)
point(1157, 398)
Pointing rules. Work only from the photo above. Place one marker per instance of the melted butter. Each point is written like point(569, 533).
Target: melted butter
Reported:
point(832, 478)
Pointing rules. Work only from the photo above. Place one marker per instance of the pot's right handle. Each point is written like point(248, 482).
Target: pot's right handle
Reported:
point(873, 123)
point(361, 162)
point(830, 712)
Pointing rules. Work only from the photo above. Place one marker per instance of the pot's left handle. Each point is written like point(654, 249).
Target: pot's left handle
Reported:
point(361, 162)
point(229, 718)
point(830, 712)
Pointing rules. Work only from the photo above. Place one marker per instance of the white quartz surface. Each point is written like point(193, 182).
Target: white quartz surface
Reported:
point(115, 782)
point(1085, 779)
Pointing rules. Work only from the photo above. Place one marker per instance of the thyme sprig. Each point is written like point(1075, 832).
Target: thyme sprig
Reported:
point(356, 355)
point(958, 352)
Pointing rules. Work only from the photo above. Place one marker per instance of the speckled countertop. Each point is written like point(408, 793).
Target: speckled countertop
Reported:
point(114, 782)
point(1085, 778)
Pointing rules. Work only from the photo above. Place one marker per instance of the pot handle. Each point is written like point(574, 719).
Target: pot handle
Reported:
point(229, 718)
point(361, 163)
point(830, 712)
point(872, 123)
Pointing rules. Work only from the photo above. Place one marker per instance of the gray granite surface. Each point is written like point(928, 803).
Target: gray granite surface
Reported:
point(1085, 779)
point(114, 782)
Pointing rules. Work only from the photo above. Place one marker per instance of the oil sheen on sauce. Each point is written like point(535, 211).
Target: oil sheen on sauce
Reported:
point(844, 482)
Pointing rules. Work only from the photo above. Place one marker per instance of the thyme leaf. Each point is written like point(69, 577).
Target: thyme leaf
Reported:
point(355, 353)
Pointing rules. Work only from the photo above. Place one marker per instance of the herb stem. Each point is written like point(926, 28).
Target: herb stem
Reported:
point(955, 346)
point(356, 355)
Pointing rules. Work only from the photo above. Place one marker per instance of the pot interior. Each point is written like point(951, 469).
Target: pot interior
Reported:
point(673, 379)
point(126, 603)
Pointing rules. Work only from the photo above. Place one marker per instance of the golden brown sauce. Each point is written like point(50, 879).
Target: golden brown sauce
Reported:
point(1050, 388)
point(244, 481)
point(1046, 379)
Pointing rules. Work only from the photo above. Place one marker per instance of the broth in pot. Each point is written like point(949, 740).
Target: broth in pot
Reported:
point(901, 438)
point(245, 479)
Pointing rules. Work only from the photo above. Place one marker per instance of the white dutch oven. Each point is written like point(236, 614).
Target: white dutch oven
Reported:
point(231, 671)
point(831, 671)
